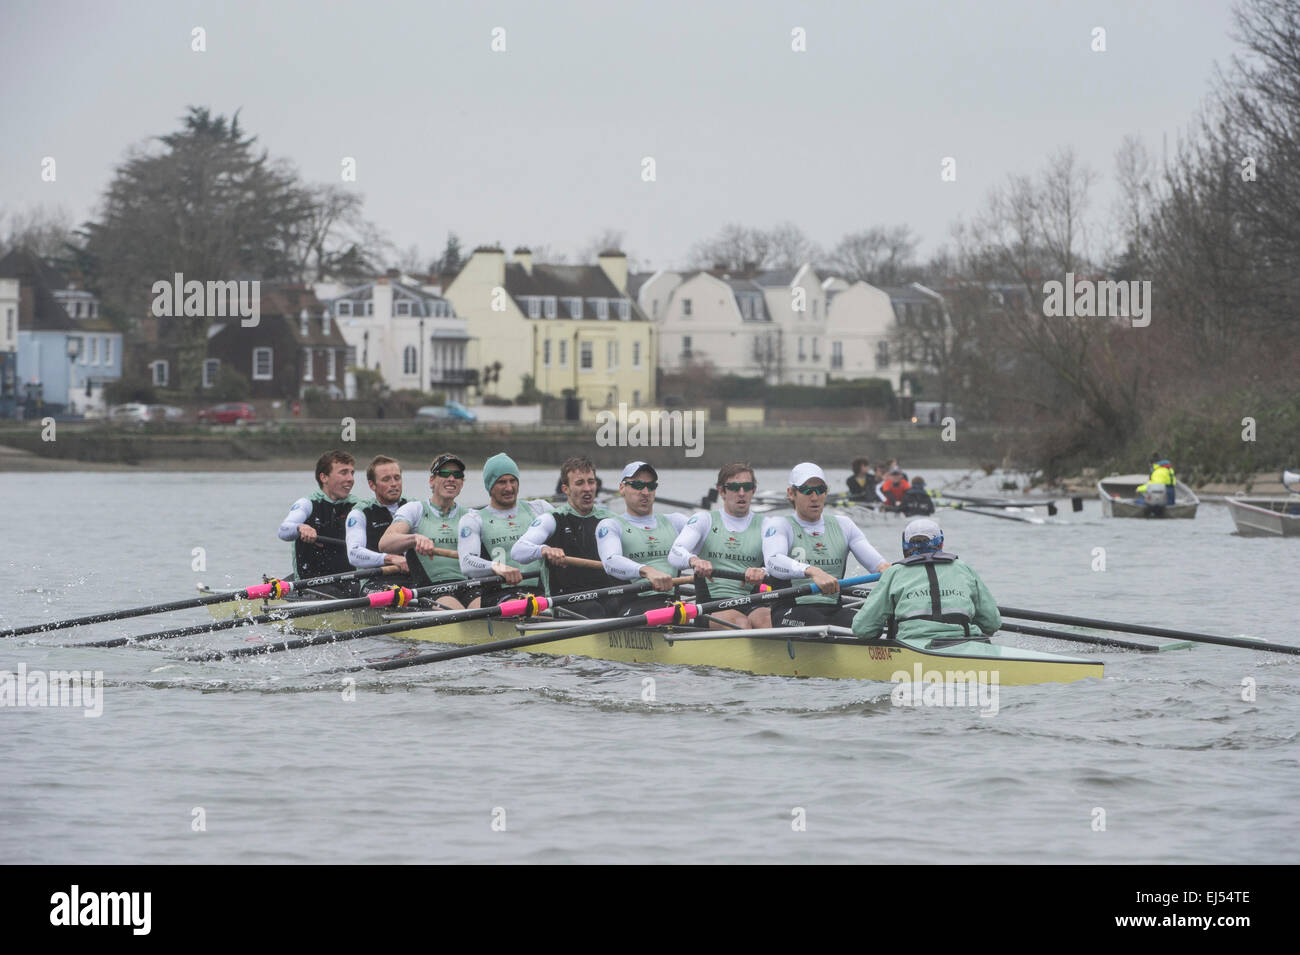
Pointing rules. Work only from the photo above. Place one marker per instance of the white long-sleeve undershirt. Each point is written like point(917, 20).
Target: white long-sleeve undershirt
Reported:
point(359, 555)
point(298, 514)
point(691, 537)
point(610, 544)
point(776, 546)
point(469, 539)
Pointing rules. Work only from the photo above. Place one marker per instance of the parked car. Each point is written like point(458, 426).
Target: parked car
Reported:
point(131, 413)
point(159, 413)
point(237, 412)
point(452, 413)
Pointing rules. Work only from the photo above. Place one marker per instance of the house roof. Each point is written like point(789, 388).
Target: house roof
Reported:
point(38, 309)
point(776, 277)
point(566, 281)
point(287, 302)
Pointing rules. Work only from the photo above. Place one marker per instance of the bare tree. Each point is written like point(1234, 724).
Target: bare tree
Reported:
point(789, 248)
point(736, 248)
point(606, 240)
point(45, 231)
point(877, 256)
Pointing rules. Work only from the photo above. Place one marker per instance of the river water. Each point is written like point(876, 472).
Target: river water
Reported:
point(539, 759)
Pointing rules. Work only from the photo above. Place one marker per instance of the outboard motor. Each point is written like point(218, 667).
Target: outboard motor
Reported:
point(1155, 497)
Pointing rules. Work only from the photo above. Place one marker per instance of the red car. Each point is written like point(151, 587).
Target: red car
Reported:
point(236, 413)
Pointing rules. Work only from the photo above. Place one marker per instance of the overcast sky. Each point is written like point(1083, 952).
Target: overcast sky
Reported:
point(542, 144)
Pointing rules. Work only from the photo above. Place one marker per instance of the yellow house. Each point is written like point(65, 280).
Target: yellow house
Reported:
point(568, 326)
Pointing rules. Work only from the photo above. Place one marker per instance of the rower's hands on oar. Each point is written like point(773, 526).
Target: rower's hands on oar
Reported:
point(511, 575)
point(398, 561)
point(658, 579)
point(755, 575)
point(824, 581)
point(701, 566)
point(306, 533)
point(423, 545)
point(554, 554)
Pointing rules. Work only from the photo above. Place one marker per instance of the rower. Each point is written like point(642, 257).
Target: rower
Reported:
point(916, 499)
point(805, 547)
point(1159, 491)
point(929, 594)
point(569, 531)
point(323, 514)
point(488, 533)
point(370, 518)
point(893, 487)
point(729, 539)
point(862, 485)
point(636, 544)
point(429, 526)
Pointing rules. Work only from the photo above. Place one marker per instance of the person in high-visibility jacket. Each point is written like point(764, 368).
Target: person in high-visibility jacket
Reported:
point(1161, 474)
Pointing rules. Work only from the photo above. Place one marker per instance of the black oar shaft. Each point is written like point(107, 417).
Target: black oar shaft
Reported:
point(1077, 637)
point(1118, 627)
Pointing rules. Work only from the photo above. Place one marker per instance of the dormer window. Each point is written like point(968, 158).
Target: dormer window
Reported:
point(325, 323)
point(345, 309)
point(403, 308)
point(302, 324)
point(602, 308)
point(550, 306)
point(534, 307)
point(624, 310)
point(575, 307)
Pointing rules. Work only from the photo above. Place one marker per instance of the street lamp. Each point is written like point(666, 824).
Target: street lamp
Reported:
point(74, 351)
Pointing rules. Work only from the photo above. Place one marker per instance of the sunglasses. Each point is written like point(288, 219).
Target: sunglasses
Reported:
point(448, 473)
point(811, 489)
point(642, 485)
point(740, 485)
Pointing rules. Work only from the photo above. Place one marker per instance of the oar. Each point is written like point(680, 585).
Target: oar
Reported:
point(678, 613)
point(1112, 625)
point(274, 588)
point(383, 598)
point(1089, 638)
point(529, 606)
point(1023, 518)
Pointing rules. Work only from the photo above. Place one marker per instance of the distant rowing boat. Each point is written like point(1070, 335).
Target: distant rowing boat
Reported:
point(788, 652)
point(1265, 516)
point(1119, 498)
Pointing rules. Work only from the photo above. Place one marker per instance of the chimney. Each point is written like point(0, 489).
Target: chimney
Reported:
point(614, 264)
point(524, 257)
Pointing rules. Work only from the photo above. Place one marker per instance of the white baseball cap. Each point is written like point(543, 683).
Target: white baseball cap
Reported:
point(630, 471)
point(800, 474)
point(922, 527)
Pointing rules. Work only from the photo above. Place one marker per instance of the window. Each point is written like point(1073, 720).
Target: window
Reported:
point(9, 324)
point(636, 354)
point(546, 353)
point(77, 312)
point(837, 356)
point(331, 359)
point(802, 356)
point(345, 309)
point(602, 309)
point(686, 307)
point(611, 355)
point(549, 304)
point(370, 308)
point(159, 369)
point(350, 357)
point(262, 358)
point(817, 352)
point(624, 310)
point(585, 357)
point(686, 346)
point(303, 329)
point(108, 350)
point(882, 354)
point(306, 364)
point(94, 351)
point(408, 360)
point(402, 308)
point(85, 350)
point(564, 353)
point(210, 368)
point(325, 323)
point(534, 306)
point(575, 307)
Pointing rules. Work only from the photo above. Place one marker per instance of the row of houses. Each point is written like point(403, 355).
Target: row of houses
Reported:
point(498, 326)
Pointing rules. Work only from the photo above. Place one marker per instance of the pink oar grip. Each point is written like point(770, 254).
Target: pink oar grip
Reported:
point(662, 616)
point(258, 591)
point(519, 607)
point(385, 598)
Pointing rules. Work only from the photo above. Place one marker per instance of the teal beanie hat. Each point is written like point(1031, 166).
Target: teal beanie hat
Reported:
point(497, 467)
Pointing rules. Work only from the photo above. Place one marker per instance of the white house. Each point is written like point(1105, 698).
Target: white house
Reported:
point(407, 332)
point(858, 332)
